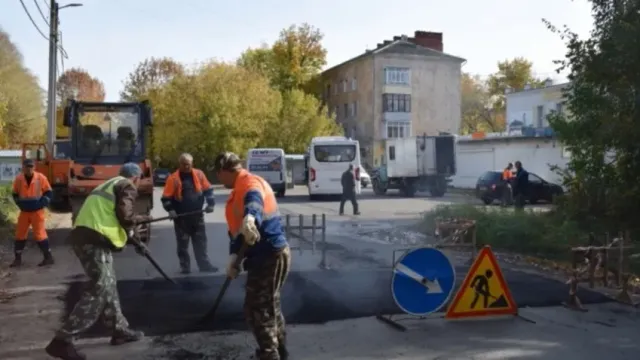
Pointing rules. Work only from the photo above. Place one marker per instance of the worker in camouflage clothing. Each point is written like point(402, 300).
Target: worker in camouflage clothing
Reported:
point(98, 231)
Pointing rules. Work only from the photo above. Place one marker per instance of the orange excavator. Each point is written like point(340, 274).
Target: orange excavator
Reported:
point(102, 137)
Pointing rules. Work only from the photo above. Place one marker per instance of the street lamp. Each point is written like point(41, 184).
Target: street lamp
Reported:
point(69, 5)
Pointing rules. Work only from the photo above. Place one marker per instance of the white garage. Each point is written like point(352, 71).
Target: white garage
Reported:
point(537, 155)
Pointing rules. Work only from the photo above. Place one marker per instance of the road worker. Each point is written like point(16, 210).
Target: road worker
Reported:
point(252, 216)
point(32, 194)
point(185, 191)
point(103, 225)
point(507, 190)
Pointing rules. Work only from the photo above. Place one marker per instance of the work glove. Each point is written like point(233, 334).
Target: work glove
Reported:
point(249, 230)
point(232, 269)
point(172, 214)
point(208, 209)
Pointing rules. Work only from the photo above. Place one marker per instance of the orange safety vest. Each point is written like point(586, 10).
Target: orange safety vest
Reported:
point(234, 209)
point(506, 174)
point(173, 187)
point(33, 191)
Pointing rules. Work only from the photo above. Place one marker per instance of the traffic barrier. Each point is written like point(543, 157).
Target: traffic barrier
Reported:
point(612, 258)
point(308, 233)
point(457, 233)
point(424, 278)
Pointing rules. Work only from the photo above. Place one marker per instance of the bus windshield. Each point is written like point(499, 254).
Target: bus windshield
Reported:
point(335, 153)
point(108, 134)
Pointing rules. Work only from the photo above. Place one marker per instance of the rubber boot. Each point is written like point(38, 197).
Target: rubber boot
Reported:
point(121, 337)
point(48, 260)
point(17, 261)
point(46, 252)
point(64, 350)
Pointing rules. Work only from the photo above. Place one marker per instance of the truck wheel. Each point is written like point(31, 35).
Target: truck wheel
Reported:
point(409, 190)
point(438, 188)
point(280, 193)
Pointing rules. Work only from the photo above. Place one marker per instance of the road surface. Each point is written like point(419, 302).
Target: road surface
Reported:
point(347, 277)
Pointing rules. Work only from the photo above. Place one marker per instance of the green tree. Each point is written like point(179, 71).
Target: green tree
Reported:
point(150, 74)
point(514, 74)
point(21, 98)
point(477, 106)
point(218, 107)
point(298, 122)
point(602, 131)
point(293, 61)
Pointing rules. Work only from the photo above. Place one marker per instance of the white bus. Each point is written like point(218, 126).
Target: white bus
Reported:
point(270, 164)
point(328, 158)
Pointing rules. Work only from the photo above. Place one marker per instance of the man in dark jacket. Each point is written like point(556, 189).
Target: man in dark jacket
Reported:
point(186, 191)
point(520, 186)
point(349, 190)
point(104, 224)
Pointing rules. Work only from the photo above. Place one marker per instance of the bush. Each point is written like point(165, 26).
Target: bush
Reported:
point(8, 209)
point(541, 234)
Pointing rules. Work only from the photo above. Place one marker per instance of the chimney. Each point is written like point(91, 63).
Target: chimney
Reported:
point(429, 40)
point(403, 37)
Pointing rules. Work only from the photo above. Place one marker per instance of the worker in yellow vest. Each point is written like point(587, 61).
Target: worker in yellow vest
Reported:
point(103, 225)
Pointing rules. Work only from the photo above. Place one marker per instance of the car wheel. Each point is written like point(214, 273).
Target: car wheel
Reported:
point(487, 201)
point(533, 201)
point(364, 185)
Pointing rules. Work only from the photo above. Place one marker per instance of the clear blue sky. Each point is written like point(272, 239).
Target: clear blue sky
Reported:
point(109, 37)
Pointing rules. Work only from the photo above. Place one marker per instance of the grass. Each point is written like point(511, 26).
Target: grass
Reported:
point(541, 234)
point(8, 210)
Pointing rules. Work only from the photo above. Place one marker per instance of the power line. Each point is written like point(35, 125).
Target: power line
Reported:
point(41, 13)
point(32, 21)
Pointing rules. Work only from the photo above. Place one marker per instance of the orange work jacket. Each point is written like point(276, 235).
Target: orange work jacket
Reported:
point(234, 209)
point(173, 187)
point(507, 174)
point(29, 195)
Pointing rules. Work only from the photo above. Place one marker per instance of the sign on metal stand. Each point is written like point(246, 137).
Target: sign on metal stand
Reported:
point(422, 283)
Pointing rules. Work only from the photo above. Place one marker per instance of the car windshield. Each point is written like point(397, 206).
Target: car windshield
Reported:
point(334, 153)
point(108, 134)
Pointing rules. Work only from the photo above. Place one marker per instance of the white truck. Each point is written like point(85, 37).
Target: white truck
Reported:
point(270, 164)
point(423, 163)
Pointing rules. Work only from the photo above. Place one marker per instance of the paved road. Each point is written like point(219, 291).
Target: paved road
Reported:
point(349, 279)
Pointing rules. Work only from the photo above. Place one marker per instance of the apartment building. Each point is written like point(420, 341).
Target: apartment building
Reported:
point(530, 106)
point(404, 87)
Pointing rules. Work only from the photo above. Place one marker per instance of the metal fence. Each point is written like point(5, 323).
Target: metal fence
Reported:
point(307, 230)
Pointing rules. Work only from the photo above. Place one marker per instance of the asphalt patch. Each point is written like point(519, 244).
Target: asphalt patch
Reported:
point(310, 297)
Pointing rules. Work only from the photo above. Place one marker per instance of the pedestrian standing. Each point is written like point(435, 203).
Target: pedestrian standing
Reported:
point(507, 190)
point(32, 194)
point(103, 225)
point(253, 219)
point(186, 191)
point(348, 181)
point(520, 186)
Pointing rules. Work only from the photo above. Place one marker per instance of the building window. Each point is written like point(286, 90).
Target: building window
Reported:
point(355, 108)
point(560, 107)
point(344, 85)
point(540, 115)
point(346, 110)
point(335, 90)
point(397, 129)
point(397, 76)
point(392, 152)
point(396, 103)
point(354, 84)
point(336, 111)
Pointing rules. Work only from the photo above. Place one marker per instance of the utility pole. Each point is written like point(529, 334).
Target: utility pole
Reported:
point(53, 67)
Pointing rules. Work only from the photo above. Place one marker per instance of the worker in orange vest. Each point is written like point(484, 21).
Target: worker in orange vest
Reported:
point(507, 188)
point(32, 194)
point(253, 219)
point(186, 191)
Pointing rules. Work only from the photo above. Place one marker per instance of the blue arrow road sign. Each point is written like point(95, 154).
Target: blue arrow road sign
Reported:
point(422, 281)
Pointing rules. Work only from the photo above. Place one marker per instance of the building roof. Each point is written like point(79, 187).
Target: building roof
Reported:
point(400, 47)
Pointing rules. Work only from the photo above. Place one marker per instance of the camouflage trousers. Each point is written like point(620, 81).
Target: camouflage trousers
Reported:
point(262, 307)
point(100, 297)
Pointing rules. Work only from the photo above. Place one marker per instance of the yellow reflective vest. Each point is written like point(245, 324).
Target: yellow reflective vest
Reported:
point(98, 213)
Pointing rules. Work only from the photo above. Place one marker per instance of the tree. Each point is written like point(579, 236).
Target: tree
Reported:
point(602, 131)
point(298, 122)
point(150, 74)
point(292, 61)
point(21, 98)
point(218, 107)
point(477, 106)
point(513, 74)
point(79, 84)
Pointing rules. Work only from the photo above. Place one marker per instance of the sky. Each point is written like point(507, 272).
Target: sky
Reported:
point(108, 38)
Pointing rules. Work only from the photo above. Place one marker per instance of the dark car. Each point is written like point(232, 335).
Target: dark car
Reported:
point(160, 176)
point(490, 187)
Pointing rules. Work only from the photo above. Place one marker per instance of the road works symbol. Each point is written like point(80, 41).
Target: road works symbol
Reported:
point(422, 281)
point(484, 292)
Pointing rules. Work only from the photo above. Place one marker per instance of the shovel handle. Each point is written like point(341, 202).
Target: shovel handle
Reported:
point(169, 217)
